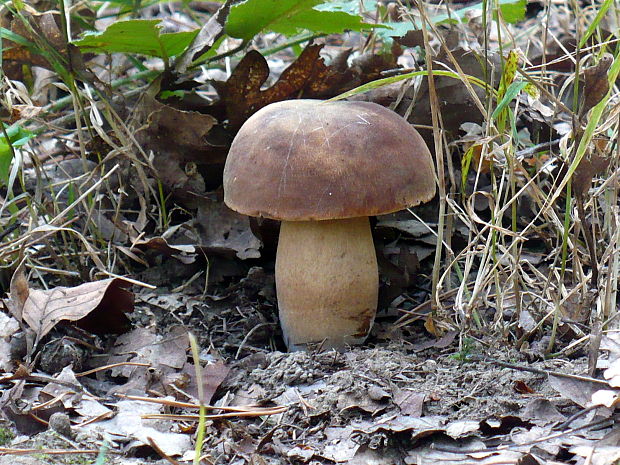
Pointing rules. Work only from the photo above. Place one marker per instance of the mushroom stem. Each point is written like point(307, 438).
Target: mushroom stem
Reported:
point(327, 282)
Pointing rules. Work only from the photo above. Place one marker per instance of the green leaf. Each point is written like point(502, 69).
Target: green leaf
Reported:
point(17, 138)
point(512, 12)
point(401, 77)
point(166, 94)
point(142, 37)
point(398, 29)
point(594, 24)
point(511, 93)
point(5, 163)
point(349, 6)
point(249, 17)
point(10, 35)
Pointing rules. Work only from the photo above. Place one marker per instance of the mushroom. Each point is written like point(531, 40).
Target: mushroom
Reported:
point(323, 168)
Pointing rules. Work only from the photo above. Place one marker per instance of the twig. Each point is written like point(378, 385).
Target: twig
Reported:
point(247, 336)
point(8, 230)
point(456, 450)
point(587, 233)
point(479, 358)
point(553, 144)
point(158, 449)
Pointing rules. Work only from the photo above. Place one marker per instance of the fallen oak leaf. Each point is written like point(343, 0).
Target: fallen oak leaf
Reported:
point(23, 44)
point(589, 167)
point(205, 39)
point(596, 84)
point(19, 292)
point(308, 76)
point(605, 398)
point(185, 253)
point(242, 94)
point(180, 143)
point(162, 125)
point(44, 309)
point(36, 39)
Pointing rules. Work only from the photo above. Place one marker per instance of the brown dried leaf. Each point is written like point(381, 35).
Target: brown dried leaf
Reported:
point(327, 81)
point(596, 84)
point(369, 66)
point(44, 25)
point(185, 253)
point(431, 327)
point(409, 402)
point(211, 31)
point(44, 309)
point(413, 38)
point(579, 391)
point(130, 422)
point(589, 167)
point(418, 427)
point(541, 412)
point(456, 104)
point(522, 387)
point(166, 127)
point(162, 356)
point(224, 230)
point(242, 93)
point(21, 55)
point(307, 77)
point(19, 293)
point(446, 340)
point(179, 142)
point(213, 375)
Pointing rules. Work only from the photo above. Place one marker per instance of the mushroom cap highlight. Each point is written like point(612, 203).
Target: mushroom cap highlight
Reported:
point(305, 160)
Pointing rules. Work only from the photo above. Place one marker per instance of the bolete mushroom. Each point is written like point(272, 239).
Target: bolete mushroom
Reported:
point(323, 168)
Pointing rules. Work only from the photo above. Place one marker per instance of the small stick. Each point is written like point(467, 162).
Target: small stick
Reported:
point(538, 371)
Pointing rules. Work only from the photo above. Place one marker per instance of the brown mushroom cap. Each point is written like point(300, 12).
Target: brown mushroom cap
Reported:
point(301, 160)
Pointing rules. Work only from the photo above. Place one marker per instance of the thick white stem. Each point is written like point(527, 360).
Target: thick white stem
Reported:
point(327, 282)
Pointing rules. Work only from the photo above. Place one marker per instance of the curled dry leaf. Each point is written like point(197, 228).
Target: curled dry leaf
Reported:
point(612, 374)
point(222, 230)
point(456, 104)
point(185, 253)
point(213, 375)
point(173, 129)
point(596, 84)
point(605, 397)
point(413, 38)
point(129, 425)
point(41, 27)
point(179, 141)
point(307, 77)
point(19, 293)
point(211, 31)
point(577, 390)
point(589, 167)
point(215, 230)
point(242, 94)
point(164, 354)
point(409, 402)
point(100, 306)
point(43, 24)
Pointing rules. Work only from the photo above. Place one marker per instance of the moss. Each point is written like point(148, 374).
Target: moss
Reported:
point(6, 436)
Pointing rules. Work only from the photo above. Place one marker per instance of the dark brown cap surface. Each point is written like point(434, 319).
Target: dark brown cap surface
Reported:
point(302, 160)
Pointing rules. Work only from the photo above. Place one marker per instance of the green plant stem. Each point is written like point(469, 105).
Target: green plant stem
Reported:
point(200, 432)
point(595, 116)
point(65, 101)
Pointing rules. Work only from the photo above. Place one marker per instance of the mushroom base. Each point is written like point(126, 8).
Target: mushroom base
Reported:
point(327, 282)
